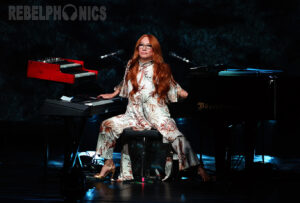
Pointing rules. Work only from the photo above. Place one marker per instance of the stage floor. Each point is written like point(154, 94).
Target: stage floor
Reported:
point(23, 179)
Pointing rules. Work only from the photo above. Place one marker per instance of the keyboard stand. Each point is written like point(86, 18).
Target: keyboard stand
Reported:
point(74, 127)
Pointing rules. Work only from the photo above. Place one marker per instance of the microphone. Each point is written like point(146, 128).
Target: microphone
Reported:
point(111, 54)
point(179, 57)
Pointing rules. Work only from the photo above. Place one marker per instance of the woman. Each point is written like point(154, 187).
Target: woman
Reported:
point(149, 86)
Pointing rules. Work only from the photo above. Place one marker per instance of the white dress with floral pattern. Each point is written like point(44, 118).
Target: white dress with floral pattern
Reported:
point(143, 112)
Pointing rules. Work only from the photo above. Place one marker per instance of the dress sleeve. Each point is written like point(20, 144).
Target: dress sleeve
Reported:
point(173, 92)
point(122, 86)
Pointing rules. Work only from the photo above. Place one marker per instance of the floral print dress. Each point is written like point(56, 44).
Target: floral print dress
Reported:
point(144, 112)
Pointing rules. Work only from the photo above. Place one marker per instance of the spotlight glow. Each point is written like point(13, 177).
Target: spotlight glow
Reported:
point(90, 194)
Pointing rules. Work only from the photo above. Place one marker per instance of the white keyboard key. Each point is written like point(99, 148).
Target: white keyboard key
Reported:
point(69, 65)
point(97, 103)
point(79, 75)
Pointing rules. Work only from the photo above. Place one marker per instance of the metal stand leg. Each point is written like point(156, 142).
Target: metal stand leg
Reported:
point(46, 155)
point(143, 159)
point(75, 132)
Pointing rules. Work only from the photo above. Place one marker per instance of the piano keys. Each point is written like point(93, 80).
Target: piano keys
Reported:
point(83, 108)
point(60, 70)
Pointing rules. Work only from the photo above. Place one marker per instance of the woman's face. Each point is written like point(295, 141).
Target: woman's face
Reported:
point(145, 49)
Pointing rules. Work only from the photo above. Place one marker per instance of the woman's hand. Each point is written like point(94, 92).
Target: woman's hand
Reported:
point(109, 95)
point(182, 94)
point(106, 96)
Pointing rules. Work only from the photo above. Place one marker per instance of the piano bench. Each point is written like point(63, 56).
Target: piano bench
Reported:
point(147, 152)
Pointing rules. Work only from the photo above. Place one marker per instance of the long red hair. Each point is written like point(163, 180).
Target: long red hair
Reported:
point(162, 75)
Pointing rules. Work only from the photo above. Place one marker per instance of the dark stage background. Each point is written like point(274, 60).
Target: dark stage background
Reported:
point(258, 34)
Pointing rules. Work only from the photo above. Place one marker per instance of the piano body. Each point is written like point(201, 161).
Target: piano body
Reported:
point(221, 96)
point(233, 94)
point(59, 69)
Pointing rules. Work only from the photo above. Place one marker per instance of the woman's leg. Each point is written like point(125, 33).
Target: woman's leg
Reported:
point(110, 131)
point(108, 167)
point(187, 158)
point(125, 166)
point(106, 139)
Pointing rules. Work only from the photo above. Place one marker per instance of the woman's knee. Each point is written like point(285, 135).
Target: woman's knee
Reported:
point(107, 125)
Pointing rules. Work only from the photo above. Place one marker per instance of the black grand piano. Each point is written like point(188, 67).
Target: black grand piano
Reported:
point(222, 95)
point(233, 93)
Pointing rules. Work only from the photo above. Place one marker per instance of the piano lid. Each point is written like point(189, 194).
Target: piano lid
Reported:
point(248, 72)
